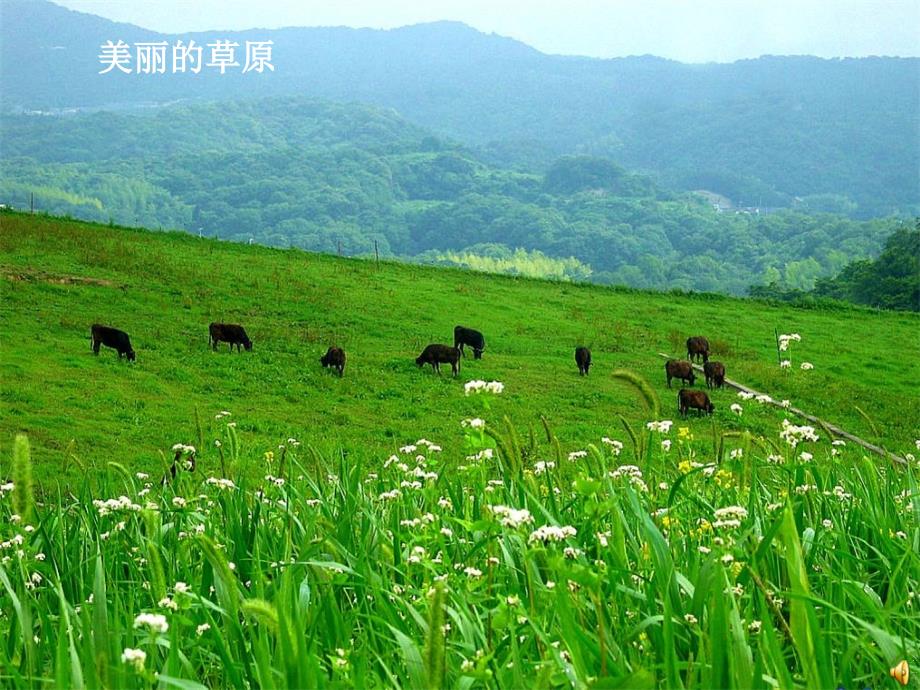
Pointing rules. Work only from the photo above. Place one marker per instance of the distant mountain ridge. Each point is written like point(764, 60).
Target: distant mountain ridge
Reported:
point(838, 135)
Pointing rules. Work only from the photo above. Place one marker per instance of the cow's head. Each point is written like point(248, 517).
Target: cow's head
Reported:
point(248, 345)
point(130, 355)
point(477, 354)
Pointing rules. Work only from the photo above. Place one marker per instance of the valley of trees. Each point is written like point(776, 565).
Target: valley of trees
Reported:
point(293, 172)
point(319, 176)
point(892, 281)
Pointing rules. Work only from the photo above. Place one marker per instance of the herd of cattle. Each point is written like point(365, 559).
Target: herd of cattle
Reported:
point(437, 354)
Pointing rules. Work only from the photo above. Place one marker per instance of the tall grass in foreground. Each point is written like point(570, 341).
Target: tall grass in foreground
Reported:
point(662, 560)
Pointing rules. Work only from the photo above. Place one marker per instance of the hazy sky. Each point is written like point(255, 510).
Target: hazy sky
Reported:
point(687, 30)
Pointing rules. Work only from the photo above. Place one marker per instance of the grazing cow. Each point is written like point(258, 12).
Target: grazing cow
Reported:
point(583, 360)
point(435, 355)
point(111, 337)
point(228, 333)
point(335, 358)
point(693, 400)
point(467, 336)
point(715, 374)
point(679, 369)
point(698, 347)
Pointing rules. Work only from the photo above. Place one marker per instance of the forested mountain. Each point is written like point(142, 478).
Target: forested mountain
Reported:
point(819, 135)
point(327, 176)
point(892, 281)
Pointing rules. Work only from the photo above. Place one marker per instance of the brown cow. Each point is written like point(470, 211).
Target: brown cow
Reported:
point(698, 347)
point(335, 358)
point(436, 354)
point(695, 400)
point(679, 369)
point(715, 374)
point(583, 360)
point(229, 333)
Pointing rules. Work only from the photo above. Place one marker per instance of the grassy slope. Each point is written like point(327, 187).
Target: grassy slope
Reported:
point(165, 288)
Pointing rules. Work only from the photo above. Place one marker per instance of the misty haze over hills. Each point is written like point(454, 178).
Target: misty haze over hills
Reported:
point(759, 132)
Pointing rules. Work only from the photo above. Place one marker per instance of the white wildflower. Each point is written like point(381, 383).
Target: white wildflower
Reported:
point(552, 533)
point(512, 517)
point(134, 657)
point(156, 622)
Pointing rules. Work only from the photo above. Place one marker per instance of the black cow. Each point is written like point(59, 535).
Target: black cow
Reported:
point(698, 347)
point(468, 336)
point(111, 337)
point(435, 355)
point(715, 374)
point(693, 400)
point(583, 360)
point(679, 369)
point(335, 358)
point(228, 333)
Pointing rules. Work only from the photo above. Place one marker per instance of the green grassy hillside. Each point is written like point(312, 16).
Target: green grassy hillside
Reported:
point(366, 557)
point(60, 276)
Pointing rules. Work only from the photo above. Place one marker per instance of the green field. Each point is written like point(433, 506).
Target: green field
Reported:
point(590, 551)
point(60, 277)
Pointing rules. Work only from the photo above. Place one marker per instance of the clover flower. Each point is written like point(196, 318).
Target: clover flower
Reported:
point(806, 366)
point(156, 622)
point(512, 517)
point(115, 504)
point(221, 483)
point(615, 446)
point(737, 409)
point(475, 423)
point(134, 657)
point(551, 533)
point(729, 517)
point(479, 386)
point(793, 435)
point(541, 467)
point(663, 426)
